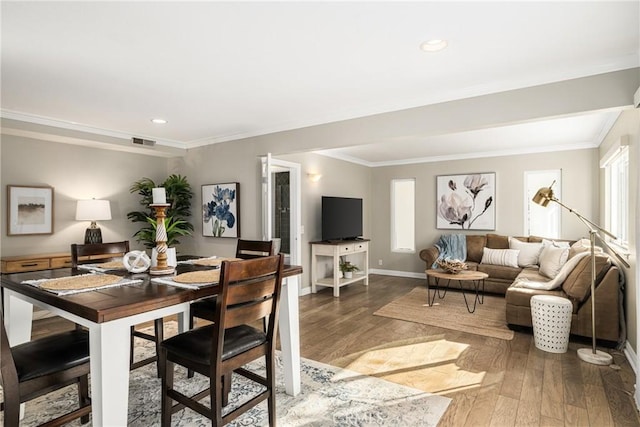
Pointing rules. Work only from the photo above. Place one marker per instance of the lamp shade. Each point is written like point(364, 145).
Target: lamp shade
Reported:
point(93, 210)
point(543, 196)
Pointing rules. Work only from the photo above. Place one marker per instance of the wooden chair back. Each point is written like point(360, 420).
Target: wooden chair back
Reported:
point(249, 249)
point(116, 249)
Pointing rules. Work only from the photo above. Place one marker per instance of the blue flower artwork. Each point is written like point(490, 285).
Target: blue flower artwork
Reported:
point(466, 202)
point(220, 210)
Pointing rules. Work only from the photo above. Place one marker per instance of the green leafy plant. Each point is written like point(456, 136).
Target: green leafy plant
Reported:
point(176, 223)
point(346, 266)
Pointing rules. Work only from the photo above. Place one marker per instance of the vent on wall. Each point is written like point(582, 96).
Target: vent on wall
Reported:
point(140, 141)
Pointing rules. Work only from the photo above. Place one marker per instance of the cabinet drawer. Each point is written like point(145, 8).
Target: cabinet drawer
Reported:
point(26, 265)
point(360, 246)
point(346, 248)
point(61, 262)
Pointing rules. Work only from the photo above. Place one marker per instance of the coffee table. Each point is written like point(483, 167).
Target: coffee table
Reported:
point(476, 277)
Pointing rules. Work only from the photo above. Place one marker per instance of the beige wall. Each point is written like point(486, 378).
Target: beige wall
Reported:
point(579, 186)
point(75, 173)
point(628, 124)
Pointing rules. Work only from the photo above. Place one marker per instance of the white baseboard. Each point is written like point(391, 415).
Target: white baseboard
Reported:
point(305, 291)
point(397, 273)
point(631, 357)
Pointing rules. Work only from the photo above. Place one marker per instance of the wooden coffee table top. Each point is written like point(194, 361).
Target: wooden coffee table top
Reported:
point(463, 275)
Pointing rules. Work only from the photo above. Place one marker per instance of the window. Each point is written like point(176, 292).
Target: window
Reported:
point(403, 215)
point(616, 166)
point(538, 220)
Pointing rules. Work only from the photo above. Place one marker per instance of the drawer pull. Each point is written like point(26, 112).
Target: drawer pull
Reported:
point(33, 264)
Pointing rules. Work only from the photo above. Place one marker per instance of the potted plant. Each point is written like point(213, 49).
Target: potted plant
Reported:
point(176, 223)
point(347, 269)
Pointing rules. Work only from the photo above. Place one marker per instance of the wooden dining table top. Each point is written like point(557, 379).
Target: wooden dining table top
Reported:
point(107, 304)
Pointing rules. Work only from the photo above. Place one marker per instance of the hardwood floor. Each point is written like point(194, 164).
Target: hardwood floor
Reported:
point(520, 385)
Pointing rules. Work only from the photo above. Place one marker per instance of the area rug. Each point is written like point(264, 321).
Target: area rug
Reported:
point(451, 313)
point(330, 396)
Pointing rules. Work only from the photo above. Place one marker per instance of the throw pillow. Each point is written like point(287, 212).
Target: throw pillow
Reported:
point(505, 257)
point(552, 259)
point(583, 245)
point(557, 244)
point(529, 252)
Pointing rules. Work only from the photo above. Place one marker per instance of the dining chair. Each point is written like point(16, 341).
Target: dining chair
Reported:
point(245, 249)
point(249, 292)
point(103, 252)
point(38, 367)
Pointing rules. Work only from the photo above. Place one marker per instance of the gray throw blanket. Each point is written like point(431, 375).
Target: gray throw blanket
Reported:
point(451, 246)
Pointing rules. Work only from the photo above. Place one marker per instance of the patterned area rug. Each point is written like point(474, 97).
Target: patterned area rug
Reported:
point(330, 396)
point(488, 320)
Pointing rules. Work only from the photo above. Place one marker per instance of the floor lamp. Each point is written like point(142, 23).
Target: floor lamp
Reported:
point(543, 197)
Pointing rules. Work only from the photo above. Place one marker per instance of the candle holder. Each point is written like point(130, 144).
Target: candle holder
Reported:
point(161, 242)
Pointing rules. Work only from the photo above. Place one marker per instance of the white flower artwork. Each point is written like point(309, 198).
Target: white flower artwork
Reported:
point(466, 202)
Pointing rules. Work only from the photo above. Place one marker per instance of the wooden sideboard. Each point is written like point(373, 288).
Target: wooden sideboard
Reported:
point(35, 262)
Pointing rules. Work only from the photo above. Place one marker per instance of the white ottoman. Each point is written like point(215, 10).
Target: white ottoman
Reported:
point(551, 317)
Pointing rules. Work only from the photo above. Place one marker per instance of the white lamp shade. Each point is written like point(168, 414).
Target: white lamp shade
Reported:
point(93, 210)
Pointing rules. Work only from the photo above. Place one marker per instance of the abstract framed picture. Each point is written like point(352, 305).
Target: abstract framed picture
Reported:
point(29, 210)
point(221, 210)
point(466, 202)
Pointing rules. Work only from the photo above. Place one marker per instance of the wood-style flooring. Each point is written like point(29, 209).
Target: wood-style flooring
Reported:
point(521, 385)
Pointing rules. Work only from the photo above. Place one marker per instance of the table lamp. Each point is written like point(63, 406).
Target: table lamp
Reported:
point(93, 210)
point(543, 197)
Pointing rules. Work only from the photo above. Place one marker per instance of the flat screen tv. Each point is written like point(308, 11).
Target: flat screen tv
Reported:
point(341, 218)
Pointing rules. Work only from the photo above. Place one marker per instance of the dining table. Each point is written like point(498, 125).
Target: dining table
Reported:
point(108, 313)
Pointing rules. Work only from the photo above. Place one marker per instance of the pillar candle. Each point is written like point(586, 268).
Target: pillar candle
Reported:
point(159, 196)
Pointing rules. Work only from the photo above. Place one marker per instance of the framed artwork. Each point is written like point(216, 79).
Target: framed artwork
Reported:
point(466, 202)
point(29, 210)
point(221, 210)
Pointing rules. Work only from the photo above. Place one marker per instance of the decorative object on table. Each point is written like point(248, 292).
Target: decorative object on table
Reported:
point(452, 266)
point(466, 201)
point(161, 248)
point(93, 210)
point(347, 269)
point(543, 197)
point(221, 210)
point(30, 210)
point(178, 195)
point(136, 261)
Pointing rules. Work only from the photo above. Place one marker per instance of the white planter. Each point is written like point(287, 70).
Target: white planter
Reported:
point(172, 261)
point(348, 274)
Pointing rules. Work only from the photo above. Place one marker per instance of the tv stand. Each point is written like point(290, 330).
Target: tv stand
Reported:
point(356, 251)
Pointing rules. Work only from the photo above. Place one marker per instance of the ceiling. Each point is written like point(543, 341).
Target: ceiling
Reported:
point(220, 71)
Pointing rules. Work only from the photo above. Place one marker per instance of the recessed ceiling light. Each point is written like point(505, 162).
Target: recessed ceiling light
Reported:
point(159, 121)
point(433, 45)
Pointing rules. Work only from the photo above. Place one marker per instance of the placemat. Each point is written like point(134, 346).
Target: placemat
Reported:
point(191, 280)
point(208, 262)
point(103, 266)
point(82, 283)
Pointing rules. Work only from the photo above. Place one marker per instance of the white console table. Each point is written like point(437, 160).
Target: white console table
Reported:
point(357, 252)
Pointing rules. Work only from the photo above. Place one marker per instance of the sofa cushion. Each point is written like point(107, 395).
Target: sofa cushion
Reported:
point(552, 259)
point(506, 257)
point(496, 241)
point(500, 271)
point(475, 244)
point(522, 296)
point(529, 252)
point(577, 285)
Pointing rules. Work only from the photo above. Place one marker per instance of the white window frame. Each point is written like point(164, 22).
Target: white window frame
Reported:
point(403, 221)
point(533, 180)
point(616, 170)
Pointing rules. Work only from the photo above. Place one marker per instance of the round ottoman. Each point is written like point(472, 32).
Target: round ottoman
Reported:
point(551, 318)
